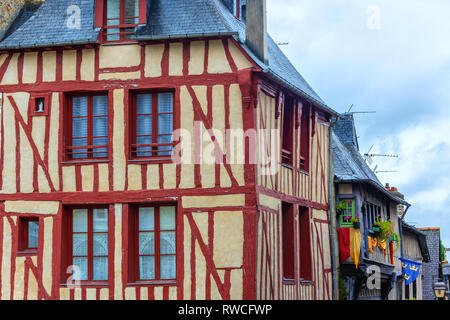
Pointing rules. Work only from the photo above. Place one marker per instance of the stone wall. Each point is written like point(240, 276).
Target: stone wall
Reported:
point(8, 8)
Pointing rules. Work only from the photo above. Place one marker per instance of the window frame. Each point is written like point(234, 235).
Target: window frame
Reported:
point(348, 224)
point(133, 127)
point(68, 245)
point(34, 97)
point(68, 136)
point(305, 134)
point(306, 263)
point(24, 236)
point(141, 19)
point(288, 240)
point(133, 244)
point(288, 129)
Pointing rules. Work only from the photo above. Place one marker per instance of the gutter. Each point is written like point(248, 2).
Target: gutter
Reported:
point(48, 44)
point(331, 210)
point(186, 35)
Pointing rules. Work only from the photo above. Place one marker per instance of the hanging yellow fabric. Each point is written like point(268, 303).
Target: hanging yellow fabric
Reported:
point(355, 245)
point(376, 242)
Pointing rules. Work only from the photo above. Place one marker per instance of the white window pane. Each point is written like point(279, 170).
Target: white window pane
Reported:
point(100, 105)
point(100, 220)
point(144, 125)
point(100, 244)
point(167, 242)
point(144, 103)
point(80, 244)
point(147, 268)
point(100, 126)
point(33, 232)
point(80, 106)
point(100, 269)
point(132, 11)
point(168, 267)
point(165, 102)
point(113, 9)
point(79, 127)
point(103, 151)
point(80, 269)
point(80, 220)
point(113, 19)
point(165, 123)
point(146, 243)
point(167, 218)
point(146, 219)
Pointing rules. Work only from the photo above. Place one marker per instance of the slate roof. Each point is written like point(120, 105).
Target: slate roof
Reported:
point(47, 26)
point(349, 165)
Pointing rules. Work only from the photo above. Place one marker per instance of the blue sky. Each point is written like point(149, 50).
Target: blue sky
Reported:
point(392, 57)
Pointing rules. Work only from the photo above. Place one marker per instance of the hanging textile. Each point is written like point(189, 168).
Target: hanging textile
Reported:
point(355, 245)
point(411, 270)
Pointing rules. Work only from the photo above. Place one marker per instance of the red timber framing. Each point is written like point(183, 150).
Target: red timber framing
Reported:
point(207, 68)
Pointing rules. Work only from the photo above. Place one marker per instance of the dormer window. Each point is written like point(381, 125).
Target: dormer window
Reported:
point(120, 18)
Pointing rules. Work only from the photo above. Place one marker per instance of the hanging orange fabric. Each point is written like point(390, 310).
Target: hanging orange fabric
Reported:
point(355, 245)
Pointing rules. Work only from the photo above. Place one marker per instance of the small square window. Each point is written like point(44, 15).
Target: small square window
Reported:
point(29, 235)
point(39, 104)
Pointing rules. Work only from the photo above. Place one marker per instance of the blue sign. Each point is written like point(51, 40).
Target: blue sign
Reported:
point(411, 270)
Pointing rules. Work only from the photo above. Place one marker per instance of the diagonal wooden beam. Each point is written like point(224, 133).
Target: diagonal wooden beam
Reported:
point(201, 115)
point(36, 154)
point(224, 288)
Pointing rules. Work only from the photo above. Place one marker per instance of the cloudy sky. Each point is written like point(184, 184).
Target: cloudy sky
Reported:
point(392, 57)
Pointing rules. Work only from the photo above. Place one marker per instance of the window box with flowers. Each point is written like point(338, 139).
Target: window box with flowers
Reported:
point(386, 232)
point(356, 222)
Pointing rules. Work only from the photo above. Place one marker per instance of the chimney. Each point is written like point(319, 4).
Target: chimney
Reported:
point(256, 30)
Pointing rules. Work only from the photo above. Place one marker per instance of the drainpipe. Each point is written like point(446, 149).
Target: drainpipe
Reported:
point(331, 210)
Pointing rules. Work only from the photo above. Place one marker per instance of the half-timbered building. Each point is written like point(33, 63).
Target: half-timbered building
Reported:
point(110, 109)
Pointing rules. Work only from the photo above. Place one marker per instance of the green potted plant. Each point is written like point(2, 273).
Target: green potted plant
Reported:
point(387, 232)
point(356, 222)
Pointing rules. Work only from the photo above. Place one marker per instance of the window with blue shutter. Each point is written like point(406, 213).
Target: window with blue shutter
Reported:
point(153, 114)
point(88, 124)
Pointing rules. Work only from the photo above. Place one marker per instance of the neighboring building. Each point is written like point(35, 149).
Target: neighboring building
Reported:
point(432, 271)
point(446, 276)
point(93, 94)
point(415, 248)
point(359, 193)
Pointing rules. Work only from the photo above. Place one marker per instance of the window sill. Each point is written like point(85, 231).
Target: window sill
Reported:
point(306, 282)
point(82, 162)
point(304, 171)
point(86, 284)
point(286, 165)
point(154, 283)
point(289, 282)
point(150, 161)
point(119, 42)
point(27, 253)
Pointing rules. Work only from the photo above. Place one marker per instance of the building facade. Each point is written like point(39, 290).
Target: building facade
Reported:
point(415, 248)
point(111, 113)
point(361, 202)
